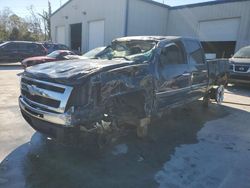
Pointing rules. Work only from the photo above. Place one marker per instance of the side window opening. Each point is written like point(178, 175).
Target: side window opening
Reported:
point(10, 46)
point(195, 50)
point(197, 56)
point(171, 55)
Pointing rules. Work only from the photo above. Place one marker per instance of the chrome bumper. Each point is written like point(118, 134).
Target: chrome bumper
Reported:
point(56, 118)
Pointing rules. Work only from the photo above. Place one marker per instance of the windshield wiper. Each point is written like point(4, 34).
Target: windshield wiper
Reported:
point(124, 57)
point(242, 57)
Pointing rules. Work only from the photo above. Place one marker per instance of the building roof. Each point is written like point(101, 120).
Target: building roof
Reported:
point(174, 7)
point(61, 7)
point(215, 2)
point(156, 3)
point(147, 1)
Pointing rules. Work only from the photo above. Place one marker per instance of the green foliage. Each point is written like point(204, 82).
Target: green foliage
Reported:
point(13, 27)
point(15, 34)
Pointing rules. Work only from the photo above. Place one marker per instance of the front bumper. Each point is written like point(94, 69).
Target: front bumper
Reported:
point(63, 119)
point(49, 129)
point(239, 78)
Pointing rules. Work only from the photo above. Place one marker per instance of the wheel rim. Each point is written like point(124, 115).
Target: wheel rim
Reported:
point(220, 94)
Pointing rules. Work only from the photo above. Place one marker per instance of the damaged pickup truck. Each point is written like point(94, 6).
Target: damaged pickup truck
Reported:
point(133, 80)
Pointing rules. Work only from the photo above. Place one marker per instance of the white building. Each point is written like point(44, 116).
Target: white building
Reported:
point(222, 26)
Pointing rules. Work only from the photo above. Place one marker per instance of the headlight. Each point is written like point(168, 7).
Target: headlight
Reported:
point(68, 117)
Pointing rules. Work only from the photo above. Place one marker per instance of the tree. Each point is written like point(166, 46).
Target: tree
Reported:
point(15, 34)
point(13, 27)
point(34, 24)
point(4, 19)
point(46, 21)
point(3, 33)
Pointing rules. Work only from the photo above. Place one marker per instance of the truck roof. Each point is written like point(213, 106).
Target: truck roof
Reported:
point(156, 38)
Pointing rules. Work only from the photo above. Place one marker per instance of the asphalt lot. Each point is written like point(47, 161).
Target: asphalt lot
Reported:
point(190, 147)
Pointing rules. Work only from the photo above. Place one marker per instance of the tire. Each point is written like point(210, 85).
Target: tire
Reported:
point(205, 101)
point(219, 98)
point(142, 128)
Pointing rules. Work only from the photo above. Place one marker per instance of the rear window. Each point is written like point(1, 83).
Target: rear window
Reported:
point(198, 56)
point(195, 50)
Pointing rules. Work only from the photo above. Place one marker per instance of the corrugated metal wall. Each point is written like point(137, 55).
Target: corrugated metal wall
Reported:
point(145, 18)
point(185, 21)
point(83, 11)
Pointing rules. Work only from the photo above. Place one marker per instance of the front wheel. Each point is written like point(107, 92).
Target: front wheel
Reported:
point(142, 127)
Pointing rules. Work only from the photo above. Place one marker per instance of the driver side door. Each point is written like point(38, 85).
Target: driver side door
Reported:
point(174, 78)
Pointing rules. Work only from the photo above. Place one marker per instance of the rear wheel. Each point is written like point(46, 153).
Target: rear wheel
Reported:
point(219, 96)
point(206, 101)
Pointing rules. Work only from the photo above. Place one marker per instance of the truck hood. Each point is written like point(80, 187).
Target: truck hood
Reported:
point(72, 71)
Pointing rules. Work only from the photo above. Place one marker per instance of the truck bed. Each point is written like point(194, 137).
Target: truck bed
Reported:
point(218, 71)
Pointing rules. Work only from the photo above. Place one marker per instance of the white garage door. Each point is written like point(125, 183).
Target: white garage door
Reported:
point(96, 34)
point(219, 30)
point(60, 35)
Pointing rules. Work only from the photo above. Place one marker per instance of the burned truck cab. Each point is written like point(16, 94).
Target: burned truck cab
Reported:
point(134, 79)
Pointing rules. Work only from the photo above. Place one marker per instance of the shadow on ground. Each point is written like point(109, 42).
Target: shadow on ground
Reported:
point(43, 163)
point(10, 66)
point(239, 89)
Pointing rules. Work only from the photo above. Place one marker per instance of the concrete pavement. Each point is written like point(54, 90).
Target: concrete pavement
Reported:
point(190, 147)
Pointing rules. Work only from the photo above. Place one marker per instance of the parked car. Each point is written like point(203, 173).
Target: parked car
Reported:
point(15, 51)
point(239, 66)
point(57, 55)
point(142, 77)
point(92, 54)
point(56, 46)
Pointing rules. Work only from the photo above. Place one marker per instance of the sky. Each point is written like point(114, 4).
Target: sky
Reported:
point(20, 6)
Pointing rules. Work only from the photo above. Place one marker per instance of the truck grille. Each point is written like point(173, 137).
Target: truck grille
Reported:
point(43, 95)
point(241, 68)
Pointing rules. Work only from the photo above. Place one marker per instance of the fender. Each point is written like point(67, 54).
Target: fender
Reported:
point(118, 90)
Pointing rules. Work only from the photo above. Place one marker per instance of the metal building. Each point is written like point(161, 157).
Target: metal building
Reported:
point(222, 26)
point(87, 24)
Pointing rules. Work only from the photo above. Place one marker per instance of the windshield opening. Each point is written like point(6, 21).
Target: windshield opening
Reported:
point(135, 50)
point(54, 54)
point(93, 53)
point(243, 53)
